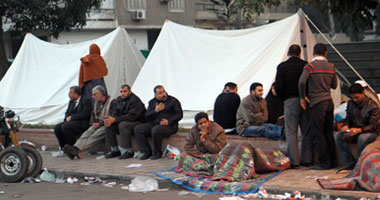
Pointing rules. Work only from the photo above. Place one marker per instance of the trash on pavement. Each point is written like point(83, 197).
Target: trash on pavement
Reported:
point(133, 165)
point(163, 190)
point(57, 154)
point(317, 177)
point(171, 152)
point(100, 157)
point(125, 187)
point(231, 198)
point(110, 184)
point(28, 180)
point(2, 192)
point(183, 193)
point(43, 148)
point(143, 184)
point(47, 176)
point(71, 180)
point(3, 184)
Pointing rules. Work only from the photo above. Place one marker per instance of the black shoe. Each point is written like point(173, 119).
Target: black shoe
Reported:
point(348, 166)
point(112, 154)
point(67, 153)
point(306, 164)
point(155, 156)
point(126, 155)
point(294, 166)
point(73, 150)
point(317, 167)
point(144, 156)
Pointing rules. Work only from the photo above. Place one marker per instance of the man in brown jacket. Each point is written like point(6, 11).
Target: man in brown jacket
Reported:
point(252, 115)
point(205, 137)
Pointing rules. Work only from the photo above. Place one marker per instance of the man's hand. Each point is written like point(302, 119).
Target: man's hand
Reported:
point(344, 128)
point(280, 117)
point(68, 118)
point(108, 120)
point(95, 125)
point(203, 133)
point(159, 107)
point(303, 102)
point(354, 131)
point(246, 124)
point(164, 122)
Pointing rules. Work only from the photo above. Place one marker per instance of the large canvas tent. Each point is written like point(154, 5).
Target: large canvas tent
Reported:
point(194, 64)
point(37, 83)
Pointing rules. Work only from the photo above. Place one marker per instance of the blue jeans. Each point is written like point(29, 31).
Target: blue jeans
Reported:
point(271, 131)
point(363, 139)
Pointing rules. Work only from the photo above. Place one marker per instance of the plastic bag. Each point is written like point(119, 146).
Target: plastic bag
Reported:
point(172, 152)
point(143, 184)
point(47, 176)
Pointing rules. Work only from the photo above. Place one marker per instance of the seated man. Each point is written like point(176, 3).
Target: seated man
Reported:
point(252, 115)
point(76, 120)
point(96, 133)
point(206, 137)
point(126, 112)
point(163, 114)
point(225, 107)
point(361, 124)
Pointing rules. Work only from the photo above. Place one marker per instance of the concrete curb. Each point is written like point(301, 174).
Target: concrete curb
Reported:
point(334, 194)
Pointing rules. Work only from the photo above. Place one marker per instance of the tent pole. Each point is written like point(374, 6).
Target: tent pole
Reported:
point(336, 50)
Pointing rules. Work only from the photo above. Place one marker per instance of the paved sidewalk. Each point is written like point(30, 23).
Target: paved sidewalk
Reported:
point(288, 181)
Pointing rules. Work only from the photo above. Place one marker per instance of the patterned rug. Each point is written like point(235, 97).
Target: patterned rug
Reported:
point(207, 185)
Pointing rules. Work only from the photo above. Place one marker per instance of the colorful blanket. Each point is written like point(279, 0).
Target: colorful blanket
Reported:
point(366, 175)
point(233, 171)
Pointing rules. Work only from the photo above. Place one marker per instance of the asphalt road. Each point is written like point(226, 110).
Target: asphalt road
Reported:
point(53, 191)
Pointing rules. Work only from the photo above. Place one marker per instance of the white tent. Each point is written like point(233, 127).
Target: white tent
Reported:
point(37, 83)
point(194, 64)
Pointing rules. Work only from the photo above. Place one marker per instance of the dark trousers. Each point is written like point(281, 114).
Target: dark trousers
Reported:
point(125, 129)
point(322, 122)
point(157, 132)
point(67, 132)
point(307, 141)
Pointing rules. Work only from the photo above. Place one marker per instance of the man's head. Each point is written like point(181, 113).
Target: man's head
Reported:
point(75, 93)
point(125, 91)
point(320, 50)
point(230, 87)
point(256, 90)
point(99, 93)
point(160, 93)
point(202, 121)
point(294, 50)
point(357, 93)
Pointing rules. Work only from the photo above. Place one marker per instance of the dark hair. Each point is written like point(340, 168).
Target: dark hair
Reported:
point(254, 86)
point(320, 49)
point(294, 50)
point(200, 116)
point(230, 85)
point(356, 88)
point(76, 90)
point(157, 86)
point(125, 85)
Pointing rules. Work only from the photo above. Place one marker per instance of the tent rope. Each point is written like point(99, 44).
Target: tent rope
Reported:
point(336, 50)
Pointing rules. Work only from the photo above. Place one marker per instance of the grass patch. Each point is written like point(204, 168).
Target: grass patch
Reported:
point(36, 126)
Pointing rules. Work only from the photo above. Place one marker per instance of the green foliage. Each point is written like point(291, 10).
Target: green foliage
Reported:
point(353, 15)
point(53, 16)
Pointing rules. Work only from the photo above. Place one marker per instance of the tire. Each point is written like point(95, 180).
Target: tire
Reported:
point(35, 161)
point(13, 164)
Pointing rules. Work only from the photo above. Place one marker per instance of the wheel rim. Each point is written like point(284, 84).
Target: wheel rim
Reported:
point(10, 165)
point(31, 162)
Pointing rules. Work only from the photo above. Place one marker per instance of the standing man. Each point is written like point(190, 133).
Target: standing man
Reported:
point(126, 112)
point(96, 133)
point(252, 115)
point(77, 118)
point(163, 114)
point(361, 124)
point(286, 88)
point(321, 77)
point(225, 108)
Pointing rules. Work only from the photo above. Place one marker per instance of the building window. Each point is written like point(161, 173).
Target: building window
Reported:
point(176, 6)
point(137, 4)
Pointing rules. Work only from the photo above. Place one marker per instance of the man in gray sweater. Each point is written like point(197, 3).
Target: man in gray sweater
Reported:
point(320, 76)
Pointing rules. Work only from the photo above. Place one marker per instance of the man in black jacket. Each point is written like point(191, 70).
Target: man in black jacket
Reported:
point(225, 108)
point(163, 114)
point(77, 118)
point(286, 88)
point(361, 124)
point(126, 112)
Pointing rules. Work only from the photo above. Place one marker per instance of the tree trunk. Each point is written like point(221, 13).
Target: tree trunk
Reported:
point(4, 64)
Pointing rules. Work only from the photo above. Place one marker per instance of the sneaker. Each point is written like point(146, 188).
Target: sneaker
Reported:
point(112, 154)
point(127, 155)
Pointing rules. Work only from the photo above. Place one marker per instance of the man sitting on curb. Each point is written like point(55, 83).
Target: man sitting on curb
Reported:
point(96, 133)
point(361, 124)
point(162, 116)
point(127, 111)
point(252, 114)
point(205, 137)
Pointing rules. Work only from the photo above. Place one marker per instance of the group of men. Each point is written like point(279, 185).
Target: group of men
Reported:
point(126, 115)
